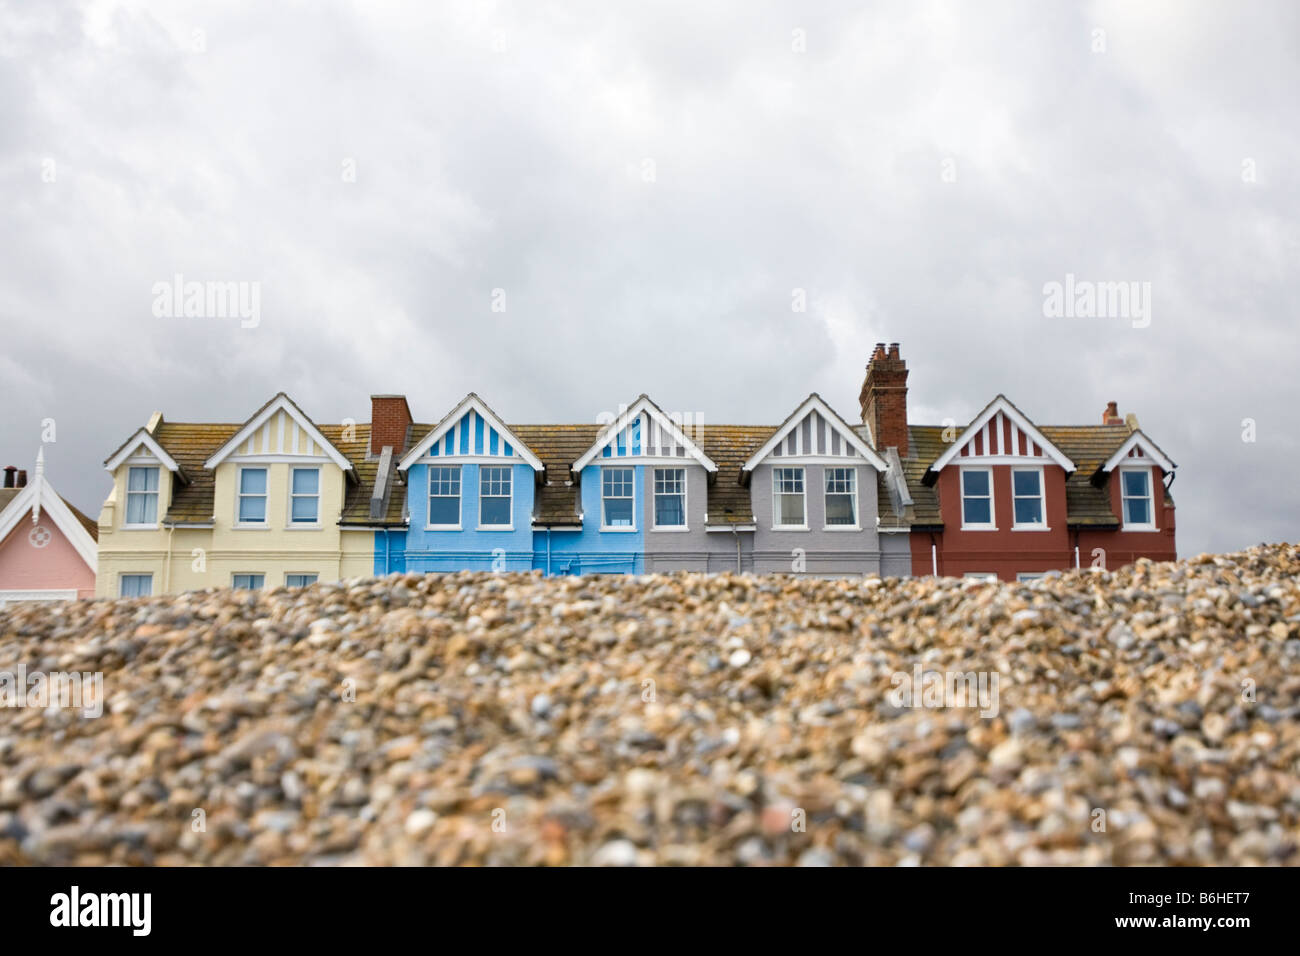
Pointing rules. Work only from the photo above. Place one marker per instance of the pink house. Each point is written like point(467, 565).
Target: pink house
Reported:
point(47, 547)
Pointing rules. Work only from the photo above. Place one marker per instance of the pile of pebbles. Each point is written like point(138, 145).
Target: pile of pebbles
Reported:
point(1145, 716)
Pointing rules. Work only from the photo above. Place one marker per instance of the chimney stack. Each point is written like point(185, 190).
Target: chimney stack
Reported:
point(1111, 415)
point(9, 475)
point(22, 479)
point(390, 417)
point(883, 398)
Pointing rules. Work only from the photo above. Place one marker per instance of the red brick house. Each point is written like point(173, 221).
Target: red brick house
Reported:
point(1005, 497)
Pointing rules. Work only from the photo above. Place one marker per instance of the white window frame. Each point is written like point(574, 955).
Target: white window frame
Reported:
point(1030, 575)
point(157, 498)
point(604, 524)
point(1042, 499)
point(303, 525)
point(240, 496)
point(135, 574)
point(510, 476)
point(1125, 497)
point(982, 575)
point(460, 504)
point(654, 501)
point(315, 578)
point(776, 496)
point(992, 524)
point(857, 515)
point(248, 574)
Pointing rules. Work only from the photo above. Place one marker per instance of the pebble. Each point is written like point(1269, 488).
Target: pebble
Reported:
point(507, 719)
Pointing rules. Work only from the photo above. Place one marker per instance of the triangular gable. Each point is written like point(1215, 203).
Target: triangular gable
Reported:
point(471, 430)
point(39, 493)
point(282, 438)
point(643, 431)
point(826, 435)
point(1001, 432)
point(1137, 449)
point(143, 438)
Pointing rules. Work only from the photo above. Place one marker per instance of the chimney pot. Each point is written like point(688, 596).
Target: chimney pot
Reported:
point(22, 479)
point(9, 475)
point(1111, 415)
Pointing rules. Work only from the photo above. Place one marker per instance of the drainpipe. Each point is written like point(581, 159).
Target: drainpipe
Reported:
point(388, 553)
point(167, 569)
point(548, 551)
point(934, 557)
point(736, 534)
point(1076, 557)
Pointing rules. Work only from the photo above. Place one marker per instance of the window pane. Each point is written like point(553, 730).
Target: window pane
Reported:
point(839, 510)
point(618, 512)
point(1029, 511)
point(444, 481)
point(248, 582)
point(252, 481)
point(252, 509)
point(135, 585)
point(669, 511)
point(494, 511)
point(976, 511)
point(975, 482)
point(306, 481)
point(299, 580)
point(142, 507)
point(304, 509)
point(1137, 511)
point(1135, 483)
point(142, 479)
point(444, 510)
point(1026, 483)
point(791, 509)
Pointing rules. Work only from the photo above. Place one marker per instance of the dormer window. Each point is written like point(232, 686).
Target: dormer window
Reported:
point(251, 507)
point(977, 499)
point(1027, 495)
point(142, 496)
point(1135, 492)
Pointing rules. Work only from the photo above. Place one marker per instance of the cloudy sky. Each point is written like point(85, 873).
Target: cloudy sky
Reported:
point(647, 193)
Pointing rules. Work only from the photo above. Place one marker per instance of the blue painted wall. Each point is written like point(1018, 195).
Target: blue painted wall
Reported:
point(591, 550)
point(469, 549)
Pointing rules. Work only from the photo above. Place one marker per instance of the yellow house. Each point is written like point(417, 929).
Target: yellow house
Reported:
point(275, 501)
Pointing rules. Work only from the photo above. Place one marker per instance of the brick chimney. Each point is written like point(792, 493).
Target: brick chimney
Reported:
point(884, 398)
point(1111, 415)
point(390, 417)
point(22, 479)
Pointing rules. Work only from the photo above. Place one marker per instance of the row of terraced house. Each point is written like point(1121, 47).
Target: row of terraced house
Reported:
point(279, 500)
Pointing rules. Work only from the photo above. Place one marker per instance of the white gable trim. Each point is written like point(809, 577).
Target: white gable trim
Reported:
point(142, 437)
point(1153, 454)
point(643, 404)
point(814, 403)
point(53, 505)
point(281, 403)
point(1017, 417)
point(469, 402)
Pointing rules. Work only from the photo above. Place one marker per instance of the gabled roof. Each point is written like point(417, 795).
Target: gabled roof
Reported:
point(556, 501)
point(815, 403)
point(280, 403)
point(39, 497)
point(1018, 418)
point(143, 437)
point(623, 420)
point(476, 404)
point(1145, 445)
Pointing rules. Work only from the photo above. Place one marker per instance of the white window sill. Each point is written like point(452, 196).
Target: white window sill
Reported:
point(1139, 527)
point(1030, 527)
point(842, 527)
point(671, 529)
point(495, 527)
point(979, 527)
point(139, 527)
point(443, 527)
point(303, 526)
point(259, 526)
point(790, 527)
point(619, 530)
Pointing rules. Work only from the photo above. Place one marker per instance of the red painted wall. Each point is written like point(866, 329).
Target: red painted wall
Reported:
point(1006, 552)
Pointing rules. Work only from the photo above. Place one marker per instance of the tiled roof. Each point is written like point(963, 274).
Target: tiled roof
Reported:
point(558, 446)
point(730, 446)
point(1088, 446)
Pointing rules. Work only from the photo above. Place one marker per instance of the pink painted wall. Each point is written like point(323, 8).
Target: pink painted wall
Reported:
point(25, 567)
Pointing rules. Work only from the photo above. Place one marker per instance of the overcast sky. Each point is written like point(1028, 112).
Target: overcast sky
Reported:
point(649, 188)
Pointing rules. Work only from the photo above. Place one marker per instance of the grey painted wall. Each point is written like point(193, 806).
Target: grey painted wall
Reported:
point(824, 551)
point(693, 549)
point(896, 555)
